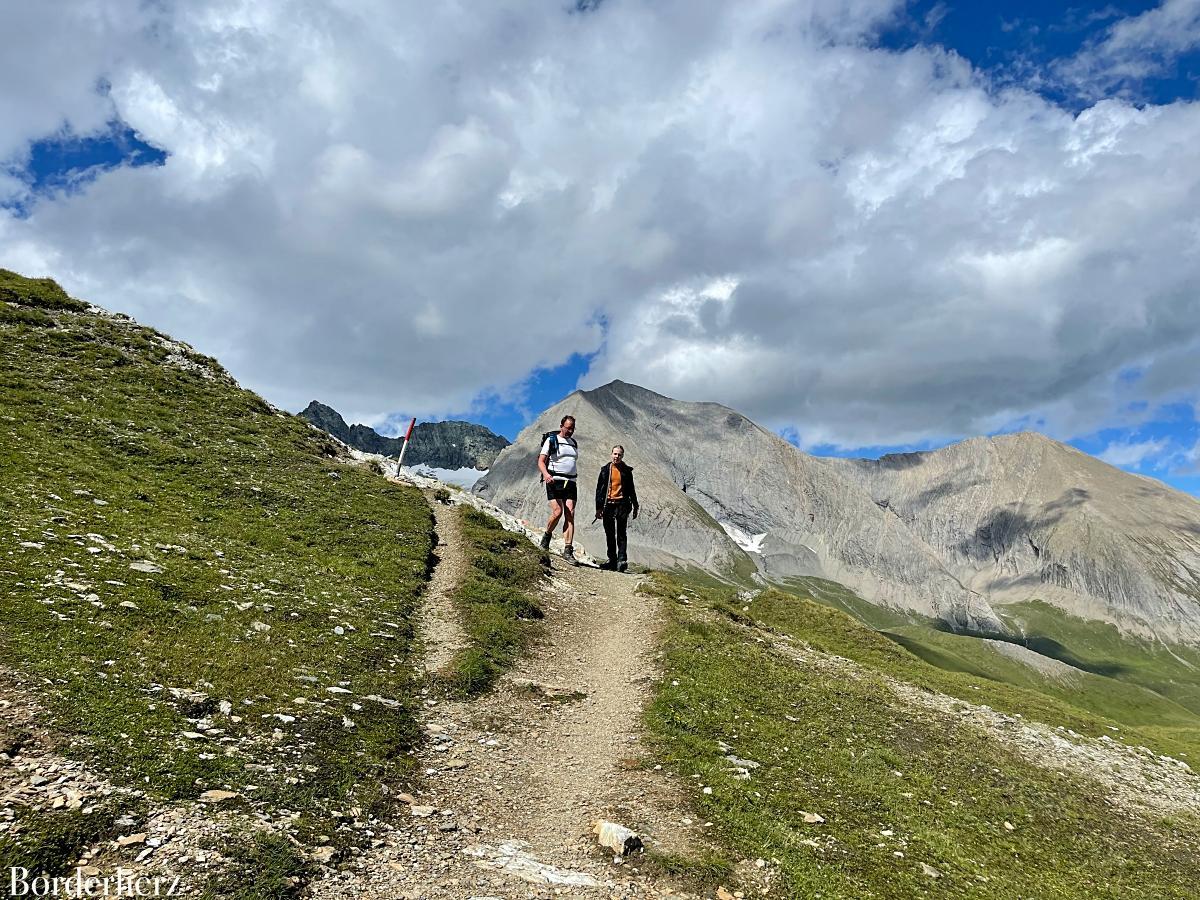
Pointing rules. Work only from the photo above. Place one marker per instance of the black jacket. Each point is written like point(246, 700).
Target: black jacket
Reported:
point(627, 487)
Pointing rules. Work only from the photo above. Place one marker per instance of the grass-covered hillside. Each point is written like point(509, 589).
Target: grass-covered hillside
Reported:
point(1072, 665)
point(851, 767)
point(198, 593)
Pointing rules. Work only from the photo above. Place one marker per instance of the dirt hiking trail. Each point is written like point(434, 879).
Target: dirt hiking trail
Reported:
point(437, 623)
point(511, 783)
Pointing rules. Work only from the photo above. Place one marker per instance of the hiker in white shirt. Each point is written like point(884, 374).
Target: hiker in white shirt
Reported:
point(557, 461)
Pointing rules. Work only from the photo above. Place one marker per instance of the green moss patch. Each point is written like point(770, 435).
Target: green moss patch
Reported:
point(263, 867)
point(47, 842)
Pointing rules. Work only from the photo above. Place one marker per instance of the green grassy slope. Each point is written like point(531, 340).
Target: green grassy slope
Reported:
point(1171, 670)
point(830, 593)
point(178, 557)
point(898, 789)
point(1125, 680)
point(1113, 698)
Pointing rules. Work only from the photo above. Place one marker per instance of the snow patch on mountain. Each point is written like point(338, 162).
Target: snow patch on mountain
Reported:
point(463, 478)
point(751, 543)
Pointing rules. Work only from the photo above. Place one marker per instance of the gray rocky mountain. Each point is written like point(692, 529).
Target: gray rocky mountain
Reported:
point(443, 445)
point(947, 533)
point(1021, 515)
point(722, 494)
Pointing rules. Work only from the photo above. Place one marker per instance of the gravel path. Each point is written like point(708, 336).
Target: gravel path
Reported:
point(514, 781)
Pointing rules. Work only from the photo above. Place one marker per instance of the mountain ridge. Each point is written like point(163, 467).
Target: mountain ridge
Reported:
point(451, 444)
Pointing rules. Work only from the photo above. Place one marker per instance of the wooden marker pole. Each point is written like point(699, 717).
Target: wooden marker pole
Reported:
point(407, 435)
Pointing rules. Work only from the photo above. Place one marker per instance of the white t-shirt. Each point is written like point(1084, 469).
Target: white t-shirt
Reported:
point(563, 462)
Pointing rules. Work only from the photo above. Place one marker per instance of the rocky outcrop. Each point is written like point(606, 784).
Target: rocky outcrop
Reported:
point(948, 533)
point(443, 445)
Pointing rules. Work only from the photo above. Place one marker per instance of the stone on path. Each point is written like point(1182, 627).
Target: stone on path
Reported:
point(619, 839)
point(218, 796)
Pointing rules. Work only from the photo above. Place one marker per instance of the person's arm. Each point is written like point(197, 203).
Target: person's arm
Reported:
point(600, 487)
point(543, 461)
point(632, 492)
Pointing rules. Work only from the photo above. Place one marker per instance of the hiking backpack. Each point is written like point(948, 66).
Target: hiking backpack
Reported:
point(551, 436)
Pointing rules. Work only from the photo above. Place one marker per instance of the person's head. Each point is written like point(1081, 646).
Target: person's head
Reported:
point(566, 426)
point(618, 453)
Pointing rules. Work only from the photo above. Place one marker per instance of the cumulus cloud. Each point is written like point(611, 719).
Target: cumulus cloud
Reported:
point(392, 207)
point(1133, 454)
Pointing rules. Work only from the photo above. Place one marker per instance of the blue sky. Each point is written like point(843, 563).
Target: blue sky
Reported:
point(66, 162)
point(876, 229)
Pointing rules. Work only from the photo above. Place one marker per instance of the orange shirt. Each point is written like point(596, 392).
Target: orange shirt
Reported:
point(614, 483)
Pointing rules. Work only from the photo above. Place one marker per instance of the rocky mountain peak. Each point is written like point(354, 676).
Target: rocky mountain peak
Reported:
point(328, 419)
point(442, 445)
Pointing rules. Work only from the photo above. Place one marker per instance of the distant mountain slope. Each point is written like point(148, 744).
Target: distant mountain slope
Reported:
point(704, 470)
point(947, 533)
point(1021, 516)
point(443, 445)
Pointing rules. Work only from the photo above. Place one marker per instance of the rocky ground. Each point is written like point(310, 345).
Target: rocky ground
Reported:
point(188, 841)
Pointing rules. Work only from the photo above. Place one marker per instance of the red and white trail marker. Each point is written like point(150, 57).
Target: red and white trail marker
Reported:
point(407, 435)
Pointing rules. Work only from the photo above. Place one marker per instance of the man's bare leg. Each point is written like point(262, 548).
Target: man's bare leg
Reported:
point(556, 511)
point(569, 527)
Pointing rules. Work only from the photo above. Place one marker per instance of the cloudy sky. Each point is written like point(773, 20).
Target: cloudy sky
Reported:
point(868, 224)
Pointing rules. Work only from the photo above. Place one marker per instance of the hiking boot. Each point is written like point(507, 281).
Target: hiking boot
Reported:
point(569, 555)
point(545, 542)
point(622, 565)
point(610, 566)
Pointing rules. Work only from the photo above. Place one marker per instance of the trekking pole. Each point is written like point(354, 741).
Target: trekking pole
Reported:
point(407, 435)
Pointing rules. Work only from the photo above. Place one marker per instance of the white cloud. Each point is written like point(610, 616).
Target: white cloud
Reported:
point(1134, 48)
point(1133, 454)
point(395, 206)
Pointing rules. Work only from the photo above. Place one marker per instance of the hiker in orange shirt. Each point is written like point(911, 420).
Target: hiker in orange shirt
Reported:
point(616, 500)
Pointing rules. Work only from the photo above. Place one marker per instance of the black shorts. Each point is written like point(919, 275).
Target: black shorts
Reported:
point(562, 489)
